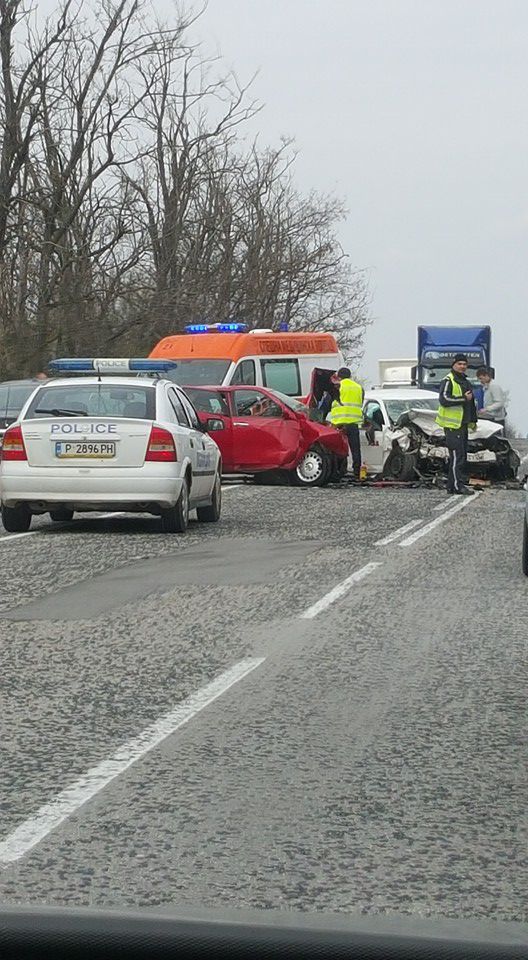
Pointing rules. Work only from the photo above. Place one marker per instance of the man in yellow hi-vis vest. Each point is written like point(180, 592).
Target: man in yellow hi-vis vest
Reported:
point(347, 413)
point(456, 414)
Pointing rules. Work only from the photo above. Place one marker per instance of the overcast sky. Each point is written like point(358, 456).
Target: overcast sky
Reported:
point(414, 111)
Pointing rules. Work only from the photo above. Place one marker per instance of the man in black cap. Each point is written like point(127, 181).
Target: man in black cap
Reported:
point(456, 414)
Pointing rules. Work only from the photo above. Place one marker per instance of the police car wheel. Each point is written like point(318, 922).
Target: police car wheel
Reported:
point(525, 549)
point(176, 519)
point(61, 515)
point(314, 469)
point(211, 514)
point(16, 519)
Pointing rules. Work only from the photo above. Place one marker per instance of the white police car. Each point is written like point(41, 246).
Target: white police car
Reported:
point(108, 441)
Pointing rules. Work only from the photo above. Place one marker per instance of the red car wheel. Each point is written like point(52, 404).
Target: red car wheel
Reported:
point(314, 469)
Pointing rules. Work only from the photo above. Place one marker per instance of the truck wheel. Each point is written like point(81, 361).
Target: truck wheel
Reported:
point(176, 519)
point(400, 465)
point(525, 549)
point(314, 469)
point(211, 514)
point(61, 515)
point(16, 519)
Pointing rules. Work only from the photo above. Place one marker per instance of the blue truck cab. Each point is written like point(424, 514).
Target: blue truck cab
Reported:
point(437, 347)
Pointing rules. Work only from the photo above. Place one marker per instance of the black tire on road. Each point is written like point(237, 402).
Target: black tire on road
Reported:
point(16, 519)
point(339, 469)
point(400, 465)
point(315, 468)
point(211, 514)
point(61, 515)
point(525, 549)
point(176, 519)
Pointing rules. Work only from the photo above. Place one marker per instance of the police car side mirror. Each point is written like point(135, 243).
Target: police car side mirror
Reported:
point(214, 425)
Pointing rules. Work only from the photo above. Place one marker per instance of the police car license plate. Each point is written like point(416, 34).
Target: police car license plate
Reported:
point(82, 449)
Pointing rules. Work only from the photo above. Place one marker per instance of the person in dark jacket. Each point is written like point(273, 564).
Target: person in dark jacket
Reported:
point(456, 414)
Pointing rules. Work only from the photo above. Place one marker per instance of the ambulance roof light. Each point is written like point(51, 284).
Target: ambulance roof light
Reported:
point(231, 327)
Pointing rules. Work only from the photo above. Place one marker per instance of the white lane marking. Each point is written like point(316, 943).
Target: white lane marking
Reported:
point(339, 590)
point(32, 533)
point(398, 533)
point(16, 536)
point(53, 814)
point(465, 501)
point(448, 502)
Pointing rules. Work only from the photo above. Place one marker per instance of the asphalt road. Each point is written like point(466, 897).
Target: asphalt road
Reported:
point(237, 732)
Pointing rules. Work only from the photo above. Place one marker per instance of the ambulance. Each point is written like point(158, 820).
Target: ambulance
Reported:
point(227, 354)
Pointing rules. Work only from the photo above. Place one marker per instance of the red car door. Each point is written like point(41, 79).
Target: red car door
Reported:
point(213, 410)
point(266, 435)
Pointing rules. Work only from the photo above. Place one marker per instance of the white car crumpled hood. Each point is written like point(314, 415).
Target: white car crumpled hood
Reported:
point(425, 420)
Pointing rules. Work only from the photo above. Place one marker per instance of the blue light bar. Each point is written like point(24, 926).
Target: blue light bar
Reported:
point(80, 366)
point(232, 327)
point(110, 365)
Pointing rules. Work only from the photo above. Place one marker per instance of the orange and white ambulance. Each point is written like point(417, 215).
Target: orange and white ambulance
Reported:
point(224, 354)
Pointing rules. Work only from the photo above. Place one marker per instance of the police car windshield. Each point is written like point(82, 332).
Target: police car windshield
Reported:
point(197, 372)
point(94, 400)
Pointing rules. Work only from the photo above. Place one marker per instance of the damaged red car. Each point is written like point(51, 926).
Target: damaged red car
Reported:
point(266, 434)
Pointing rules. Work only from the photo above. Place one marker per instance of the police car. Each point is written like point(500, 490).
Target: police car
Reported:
point(109, 441)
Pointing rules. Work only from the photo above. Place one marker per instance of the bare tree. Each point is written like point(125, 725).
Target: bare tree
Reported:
point(129, 202)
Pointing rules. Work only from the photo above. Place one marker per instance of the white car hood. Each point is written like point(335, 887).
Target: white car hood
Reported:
point(425, 420)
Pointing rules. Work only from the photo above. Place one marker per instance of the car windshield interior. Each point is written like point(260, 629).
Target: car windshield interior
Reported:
point(254, 403)
point(290, 402)
point(13, 398)
point(208, 401)
point(94, 400)
point(395, 408)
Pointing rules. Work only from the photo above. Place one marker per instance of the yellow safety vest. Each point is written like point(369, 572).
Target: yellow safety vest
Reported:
point(349, 407)
point(450, 418)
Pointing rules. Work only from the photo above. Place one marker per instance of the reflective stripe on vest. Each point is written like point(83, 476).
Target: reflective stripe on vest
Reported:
point(450, 418)
point(349, 408)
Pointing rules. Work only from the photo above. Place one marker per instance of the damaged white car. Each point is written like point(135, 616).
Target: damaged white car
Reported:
point(400, 439)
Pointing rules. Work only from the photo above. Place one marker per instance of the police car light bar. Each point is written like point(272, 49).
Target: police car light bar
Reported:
point(216, 328)
point(110, 365)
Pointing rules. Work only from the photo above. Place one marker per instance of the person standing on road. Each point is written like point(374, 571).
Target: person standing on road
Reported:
point(347, 413)
point(494, 403)
point(457, 414)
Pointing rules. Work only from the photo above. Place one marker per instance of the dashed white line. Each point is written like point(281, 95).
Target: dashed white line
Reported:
point(50, 816)
point(399, 532)
point(339, 590)
point(464, 502)
point(448, 502)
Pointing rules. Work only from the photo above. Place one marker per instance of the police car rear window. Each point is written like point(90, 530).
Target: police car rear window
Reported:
point(94, 400)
